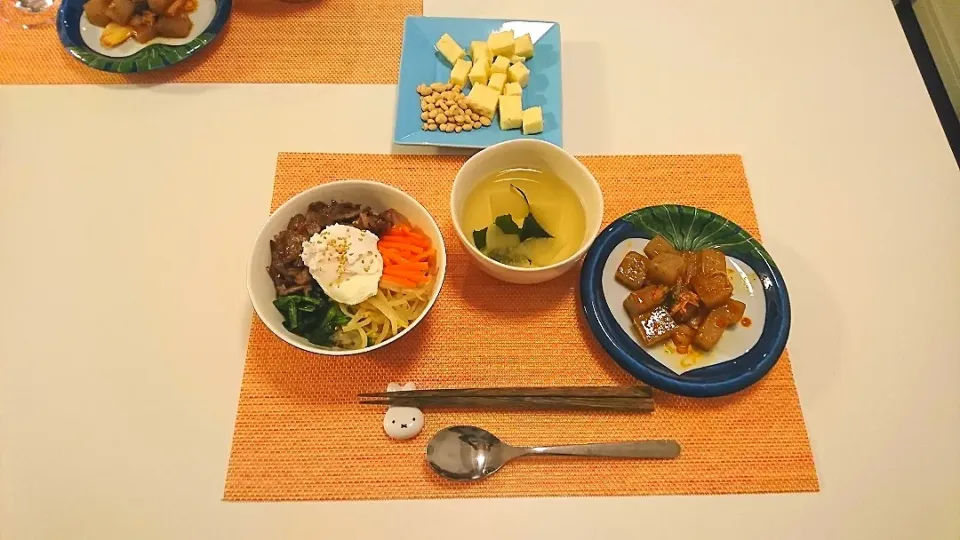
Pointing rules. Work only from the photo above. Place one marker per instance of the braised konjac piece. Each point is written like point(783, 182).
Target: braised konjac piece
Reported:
point(655, 326)
point(175, 27)
point(711, 261)
point(732, 312)
point(658, 246)
point(684, 295)
point(713, 289)
point(286, 269)
point(710, 331)
point(645, 299)
point(691, 260)
point(632, 270)
point(96, 11)
point(666, 268)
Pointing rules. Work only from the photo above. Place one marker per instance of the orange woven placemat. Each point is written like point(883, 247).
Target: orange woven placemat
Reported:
point(301, 436)
point(265, 41)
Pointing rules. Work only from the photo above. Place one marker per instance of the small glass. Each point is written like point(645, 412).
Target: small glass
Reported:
point(29, 13)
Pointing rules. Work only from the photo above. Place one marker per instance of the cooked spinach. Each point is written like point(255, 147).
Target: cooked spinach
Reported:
point(312, 316)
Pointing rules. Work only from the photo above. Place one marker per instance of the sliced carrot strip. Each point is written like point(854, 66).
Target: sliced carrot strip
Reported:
point(426, 255)
point(407, 232)
point(422, 266)
point(399, 247)
point(398, 281)
point(392, 255)
point(388, 256)
point(406, 274)
point(407, 239)
point(396, 246)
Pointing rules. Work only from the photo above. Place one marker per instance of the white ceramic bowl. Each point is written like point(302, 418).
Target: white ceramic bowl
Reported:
point(378, 196)
point(536, 154)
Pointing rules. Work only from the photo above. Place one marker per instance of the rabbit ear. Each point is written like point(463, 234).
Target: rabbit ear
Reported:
point(409, 386)
point(394, 387)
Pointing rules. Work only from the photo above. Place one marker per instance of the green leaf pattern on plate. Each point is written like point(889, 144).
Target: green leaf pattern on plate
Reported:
point(692, 229)
point(91, 59)
point(153, 57)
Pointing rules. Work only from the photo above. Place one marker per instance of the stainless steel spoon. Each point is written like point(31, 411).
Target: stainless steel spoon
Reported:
point(471, 453)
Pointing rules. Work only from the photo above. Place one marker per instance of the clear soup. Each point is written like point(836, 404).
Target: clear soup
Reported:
point(525, 218)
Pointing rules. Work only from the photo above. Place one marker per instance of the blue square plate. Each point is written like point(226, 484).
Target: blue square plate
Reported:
point(421, 63)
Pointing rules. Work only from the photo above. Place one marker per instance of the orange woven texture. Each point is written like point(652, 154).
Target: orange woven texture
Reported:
point(300, 434)
point(265, 41)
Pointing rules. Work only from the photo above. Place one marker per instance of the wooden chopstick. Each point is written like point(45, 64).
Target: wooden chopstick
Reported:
point(636, 391)
point(636, 404)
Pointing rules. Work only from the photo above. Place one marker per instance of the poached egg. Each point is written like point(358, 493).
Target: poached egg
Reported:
point(345, 262)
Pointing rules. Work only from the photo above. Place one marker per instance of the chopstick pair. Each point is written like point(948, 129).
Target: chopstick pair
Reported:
point(636, 398)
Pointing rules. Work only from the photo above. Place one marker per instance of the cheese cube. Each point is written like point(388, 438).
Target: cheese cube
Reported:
point(478, 74)
point(484, 61)
point(449, 49)
point(523, 46)
point(515, 59)
point(518, 73)
point(511, 112)
point(512, 89)
point(500, 65)
point(479, 48)
point(497, 82)
point(532, 121)
point(501, 43)
point(483, 100)
point(458, 75)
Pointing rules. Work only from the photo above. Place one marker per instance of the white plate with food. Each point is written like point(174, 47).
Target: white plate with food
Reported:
point(685, 300)
point(132, 36)
point(346, 267)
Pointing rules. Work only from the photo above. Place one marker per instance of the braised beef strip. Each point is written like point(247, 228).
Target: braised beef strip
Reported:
point(289, 274)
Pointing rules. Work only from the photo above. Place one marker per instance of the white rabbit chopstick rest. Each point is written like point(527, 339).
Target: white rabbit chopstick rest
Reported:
point(402, 422)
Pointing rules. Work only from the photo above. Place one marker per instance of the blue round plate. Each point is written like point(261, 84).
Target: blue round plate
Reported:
point(692, 229)
point(150, 57)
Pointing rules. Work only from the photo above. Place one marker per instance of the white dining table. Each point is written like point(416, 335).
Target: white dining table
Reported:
point(128, 214)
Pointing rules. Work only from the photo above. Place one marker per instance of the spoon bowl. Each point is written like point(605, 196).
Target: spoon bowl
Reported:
point(471, 453)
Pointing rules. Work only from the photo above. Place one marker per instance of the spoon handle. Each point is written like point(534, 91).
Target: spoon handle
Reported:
point(639, 449)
